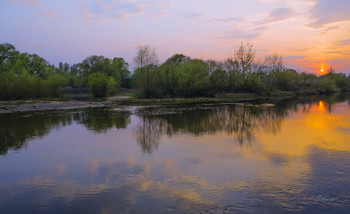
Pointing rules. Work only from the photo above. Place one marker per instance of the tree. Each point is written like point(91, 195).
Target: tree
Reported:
point(64, 67)
point(149, 82)
point(213, 65)
point(245, 56)
point(120, 67)
point(6, 51)
point(274, 63)
point(219, 80)
point(339, 79)
point(194, 79)
point(145, 56)
point(177, 59)
point(100, 84)
point(92, 64)
point(235, 78)
point(146, 77)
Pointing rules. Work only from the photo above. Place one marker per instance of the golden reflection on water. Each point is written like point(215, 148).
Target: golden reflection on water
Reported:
point(315, 127)
point(321, 106)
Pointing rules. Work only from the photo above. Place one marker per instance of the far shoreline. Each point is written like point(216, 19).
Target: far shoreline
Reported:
point(14, 106)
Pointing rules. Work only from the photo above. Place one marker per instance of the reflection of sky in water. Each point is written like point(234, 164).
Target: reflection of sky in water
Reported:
point(295, 162)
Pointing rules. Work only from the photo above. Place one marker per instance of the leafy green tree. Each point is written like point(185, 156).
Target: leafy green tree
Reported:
point(326, 86)
point(6, 51)
point(149, 82)
point(64, 67)
point(235, 77)
point(169, 70)
point(177, 59)
point(338, 78)
point(194, 79)
point(219, 80)
point(101, 85)
point(148, 79)
point(253, 83)
point(307, 83)
point(120, 72)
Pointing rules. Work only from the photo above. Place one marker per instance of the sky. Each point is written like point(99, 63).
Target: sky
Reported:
point(309, 34)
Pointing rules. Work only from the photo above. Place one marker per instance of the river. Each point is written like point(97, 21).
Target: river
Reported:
point(283, 156)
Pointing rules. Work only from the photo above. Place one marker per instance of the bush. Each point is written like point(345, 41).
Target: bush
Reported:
point(219, 80)
point(253, 83)
point(326, 86)
point(101, 85)
point(194, 79)
point(149, 82)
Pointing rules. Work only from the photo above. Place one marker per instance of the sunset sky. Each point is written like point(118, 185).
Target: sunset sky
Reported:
point(309, 34)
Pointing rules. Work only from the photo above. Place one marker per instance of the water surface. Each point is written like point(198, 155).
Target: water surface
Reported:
point(281, 157)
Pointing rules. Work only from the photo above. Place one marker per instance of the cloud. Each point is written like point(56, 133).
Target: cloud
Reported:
point(338, 61)
point(25, 2)
point(295, 57)
point(230, 19)
point(228, 35)
point(334, 52)
point(343, 42)
point(48, 14)
point(276, 15)
point(302, 49)
point(46, 11)
point(331, 28)
point(262, 50)
point(160, 14)
point(41, 9)
point(108, 9)
point(329, 11)
point(192, 15)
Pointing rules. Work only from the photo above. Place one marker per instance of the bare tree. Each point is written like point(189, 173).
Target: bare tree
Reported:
point(274, 63)
point(245, 56)
point(145, 56)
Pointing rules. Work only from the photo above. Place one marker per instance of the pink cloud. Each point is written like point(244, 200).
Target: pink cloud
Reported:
point(105, 9)
point(329, 11)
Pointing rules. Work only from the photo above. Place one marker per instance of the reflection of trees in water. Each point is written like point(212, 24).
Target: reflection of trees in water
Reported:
point(101, 120)
point(16, 129)
point(240, 121)
point(149, 132)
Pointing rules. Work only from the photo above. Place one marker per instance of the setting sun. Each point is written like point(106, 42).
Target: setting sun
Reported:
point(322, 67)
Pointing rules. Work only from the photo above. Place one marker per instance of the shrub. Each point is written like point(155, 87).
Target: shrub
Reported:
point(100, 84)
point(326, 86)
point(253, 83)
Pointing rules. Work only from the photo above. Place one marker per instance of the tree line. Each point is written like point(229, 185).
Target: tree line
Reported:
point(25, 76)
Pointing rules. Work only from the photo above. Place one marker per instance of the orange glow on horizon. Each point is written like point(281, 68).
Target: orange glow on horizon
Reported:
point(322, 69)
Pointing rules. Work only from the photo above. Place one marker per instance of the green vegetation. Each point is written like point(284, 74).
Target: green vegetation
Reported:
point(101, 85)
point(27, 76)
point(181, 76)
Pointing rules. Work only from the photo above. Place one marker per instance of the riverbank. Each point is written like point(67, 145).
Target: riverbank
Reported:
point(129, 99)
